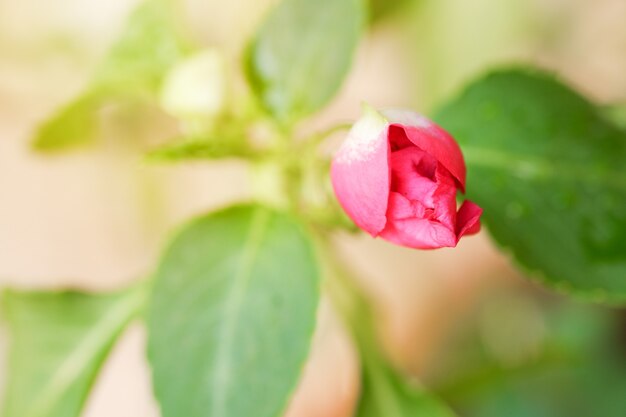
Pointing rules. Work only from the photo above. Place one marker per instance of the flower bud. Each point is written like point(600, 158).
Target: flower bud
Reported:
point(396, 176)
point(195, 89)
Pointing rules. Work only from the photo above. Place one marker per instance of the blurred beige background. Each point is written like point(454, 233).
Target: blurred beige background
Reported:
point(97, 219)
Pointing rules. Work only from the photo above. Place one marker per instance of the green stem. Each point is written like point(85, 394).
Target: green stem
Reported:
point(270, 184)
point(357, 313)
point(349, 300)
point(384, 391)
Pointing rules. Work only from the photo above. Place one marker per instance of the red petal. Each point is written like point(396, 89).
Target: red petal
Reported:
point(468, 219)
point(419, 234)
point(429, 137)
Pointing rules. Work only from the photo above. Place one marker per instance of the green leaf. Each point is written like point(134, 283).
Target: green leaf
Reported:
point(232, 315)
point(386, 393)
point(201, 149)
point(73, 124)
point(147, 48)
point(132, 71)
point(58, 343)
point(549, 172)
point(302, 53)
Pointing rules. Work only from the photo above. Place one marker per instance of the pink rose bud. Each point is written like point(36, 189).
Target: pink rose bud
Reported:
point(396, 176)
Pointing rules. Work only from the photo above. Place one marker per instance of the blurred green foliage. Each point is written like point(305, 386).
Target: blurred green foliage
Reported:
point(200, 149)
point(385, 392)
point(131, 72)
point(381, 9)
point(575, 367)
point(453, 41)
point(617, 114)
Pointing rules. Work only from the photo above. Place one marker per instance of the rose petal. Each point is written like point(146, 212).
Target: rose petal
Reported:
point(413, 174)
point(444, 198)
point(360, 173)
point(400, 207)
point(468, 219)
point(429, 137)
point(419, 234)
point(429, 189)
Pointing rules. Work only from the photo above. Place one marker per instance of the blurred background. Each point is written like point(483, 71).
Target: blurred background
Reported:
point(463, 320)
